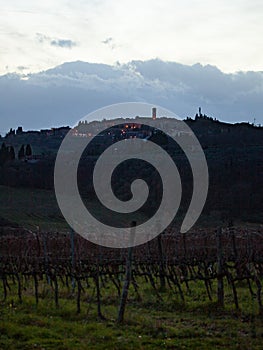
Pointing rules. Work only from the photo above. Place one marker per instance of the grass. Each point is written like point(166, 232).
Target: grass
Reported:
point(32, 208)
point(149, 324)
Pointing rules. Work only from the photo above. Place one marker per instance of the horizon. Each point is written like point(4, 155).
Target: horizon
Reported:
point(193, 118)
point(68, 92)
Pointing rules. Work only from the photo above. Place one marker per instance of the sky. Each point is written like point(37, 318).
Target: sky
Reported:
point(173, 53)
point(37, 35)
point(65, 94)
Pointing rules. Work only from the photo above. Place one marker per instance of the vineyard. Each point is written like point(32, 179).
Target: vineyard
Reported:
point(173, 261)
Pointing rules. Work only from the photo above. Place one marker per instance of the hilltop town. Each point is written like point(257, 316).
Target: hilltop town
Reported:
point(233, 153)
point(44, 143)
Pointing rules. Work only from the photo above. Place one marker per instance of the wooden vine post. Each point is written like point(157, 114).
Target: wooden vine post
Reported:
point(220, 268)
point(128, 274)
point(161, 258)
point(72, 248)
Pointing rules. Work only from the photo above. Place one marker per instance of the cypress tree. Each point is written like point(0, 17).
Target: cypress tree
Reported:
point(21, 153)
point(12, 154)
point(28, 150)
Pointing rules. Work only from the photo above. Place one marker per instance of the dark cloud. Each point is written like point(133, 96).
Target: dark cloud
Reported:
point(63, 43)
point(68, 92)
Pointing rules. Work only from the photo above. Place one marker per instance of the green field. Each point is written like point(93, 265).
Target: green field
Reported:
point(35, 208)
point(31, 208)
point(152, 322)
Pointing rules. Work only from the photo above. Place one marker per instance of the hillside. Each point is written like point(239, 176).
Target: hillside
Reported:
point(233, 153)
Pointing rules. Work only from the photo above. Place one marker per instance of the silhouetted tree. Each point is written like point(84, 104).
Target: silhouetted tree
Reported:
point(3, 154)
point(28, 150)
point(11, 154)
point(21, 152)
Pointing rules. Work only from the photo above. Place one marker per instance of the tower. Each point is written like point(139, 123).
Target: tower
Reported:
point(154, 113)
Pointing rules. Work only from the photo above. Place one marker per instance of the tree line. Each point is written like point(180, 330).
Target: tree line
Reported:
point(7, 153)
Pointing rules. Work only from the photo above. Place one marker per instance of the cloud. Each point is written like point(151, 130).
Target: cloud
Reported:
point(66, 93)
point(21, 68)
point(217, 32)
point(63, 43)
point(41, 38)
point(109, 42)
